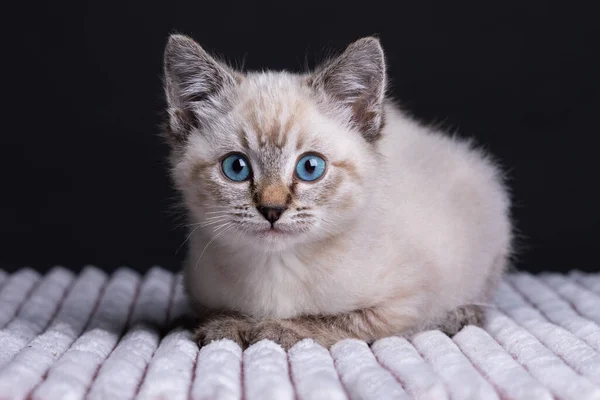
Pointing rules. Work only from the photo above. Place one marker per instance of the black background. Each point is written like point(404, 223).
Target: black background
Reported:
point(84, 173)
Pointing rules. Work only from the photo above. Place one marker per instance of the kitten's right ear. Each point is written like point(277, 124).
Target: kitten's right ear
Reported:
point(194, 86)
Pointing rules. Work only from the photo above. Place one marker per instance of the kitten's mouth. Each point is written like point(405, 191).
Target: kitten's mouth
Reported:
point(274, 231)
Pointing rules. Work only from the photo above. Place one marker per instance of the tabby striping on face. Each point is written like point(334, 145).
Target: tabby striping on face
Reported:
point(311, 217)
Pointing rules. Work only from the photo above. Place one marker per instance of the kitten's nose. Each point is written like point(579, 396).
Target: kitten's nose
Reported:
point(271, 213)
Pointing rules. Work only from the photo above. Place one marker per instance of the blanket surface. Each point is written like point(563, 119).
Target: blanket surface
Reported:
point(98, 336)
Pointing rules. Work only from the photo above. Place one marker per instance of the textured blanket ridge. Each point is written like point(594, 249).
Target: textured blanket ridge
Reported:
point(97, 336)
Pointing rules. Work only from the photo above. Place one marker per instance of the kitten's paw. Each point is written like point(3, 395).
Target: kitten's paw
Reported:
point(223, 327)
point(462, 316)
point(282, 332)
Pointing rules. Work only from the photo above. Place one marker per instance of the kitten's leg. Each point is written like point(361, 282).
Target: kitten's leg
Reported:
point(222, 325)
point(456, 319)
point(473, 314)
point(368, 325)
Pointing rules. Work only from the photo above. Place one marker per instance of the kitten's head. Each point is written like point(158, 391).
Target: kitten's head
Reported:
point(274, 159)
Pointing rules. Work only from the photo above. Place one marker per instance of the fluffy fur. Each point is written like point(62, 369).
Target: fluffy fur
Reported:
point(408, 229)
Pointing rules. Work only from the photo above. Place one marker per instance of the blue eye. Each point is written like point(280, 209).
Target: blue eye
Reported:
point(310, 167)
point(236, 167)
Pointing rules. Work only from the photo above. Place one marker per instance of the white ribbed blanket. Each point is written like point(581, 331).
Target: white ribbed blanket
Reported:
point(66, 336)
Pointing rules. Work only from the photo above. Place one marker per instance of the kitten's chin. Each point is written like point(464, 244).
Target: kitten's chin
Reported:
point(276, 238)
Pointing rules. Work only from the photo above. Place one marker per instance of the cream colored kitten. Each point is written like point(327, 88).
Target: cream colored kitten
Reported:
point(319, 210)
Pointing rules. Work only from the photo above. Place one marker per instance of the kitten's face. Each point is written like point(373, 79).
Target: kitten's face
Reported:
point(270, 159)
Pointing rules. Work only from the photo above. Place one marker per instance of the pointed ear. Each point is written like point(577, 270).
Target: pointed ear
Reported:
point(356, 79)
point(195, 86)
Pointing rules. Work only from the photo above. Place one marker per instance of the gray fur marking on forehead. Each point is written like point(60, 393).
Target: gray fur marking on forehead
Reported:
point(270, 107)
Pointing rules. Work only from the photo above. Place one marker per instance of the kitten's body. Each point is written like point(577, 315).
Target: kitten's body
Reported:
point(407, 226)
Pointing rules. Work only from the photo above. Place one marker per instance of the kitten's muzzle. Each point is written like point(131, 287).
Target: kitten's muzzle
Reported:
point(271, 213)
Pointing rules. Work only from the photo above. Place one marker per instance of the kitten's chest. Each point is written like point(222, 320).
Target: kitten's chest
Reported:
point(282, 289)
point(276, 287)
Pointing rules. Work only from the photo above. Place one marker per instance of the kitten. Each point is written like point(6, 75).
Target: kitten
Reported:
point(319, 210)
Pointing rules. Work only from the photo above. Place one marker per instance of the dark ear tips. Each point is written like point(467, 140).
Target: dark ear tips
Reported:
point(182, 52)
point(177, 38)
point(173, 40)
point(177, 44)
point(368, 49)
point(356, 79)
point(368, 42)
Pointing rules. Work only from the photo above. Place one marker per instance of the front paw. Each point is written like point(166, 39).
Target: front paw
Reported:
point(282, 332)
point(223, 327)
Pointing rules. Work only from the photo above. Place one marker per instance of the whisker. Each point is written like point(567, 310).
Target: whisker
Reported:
point(213, 220)
point(194, 224)
point(212, 240)
point(220, 226)
point(209, 223)
point(225, 225)
point(238, 237)
point(209, 219)
point(216, 216)
point(241, 206)
point(187, 238)
point(331, 233)
point(330, 224)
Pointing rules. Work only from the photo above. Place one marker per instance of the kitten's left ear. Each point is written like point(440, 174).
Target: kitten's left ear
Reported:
point(357, 80)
